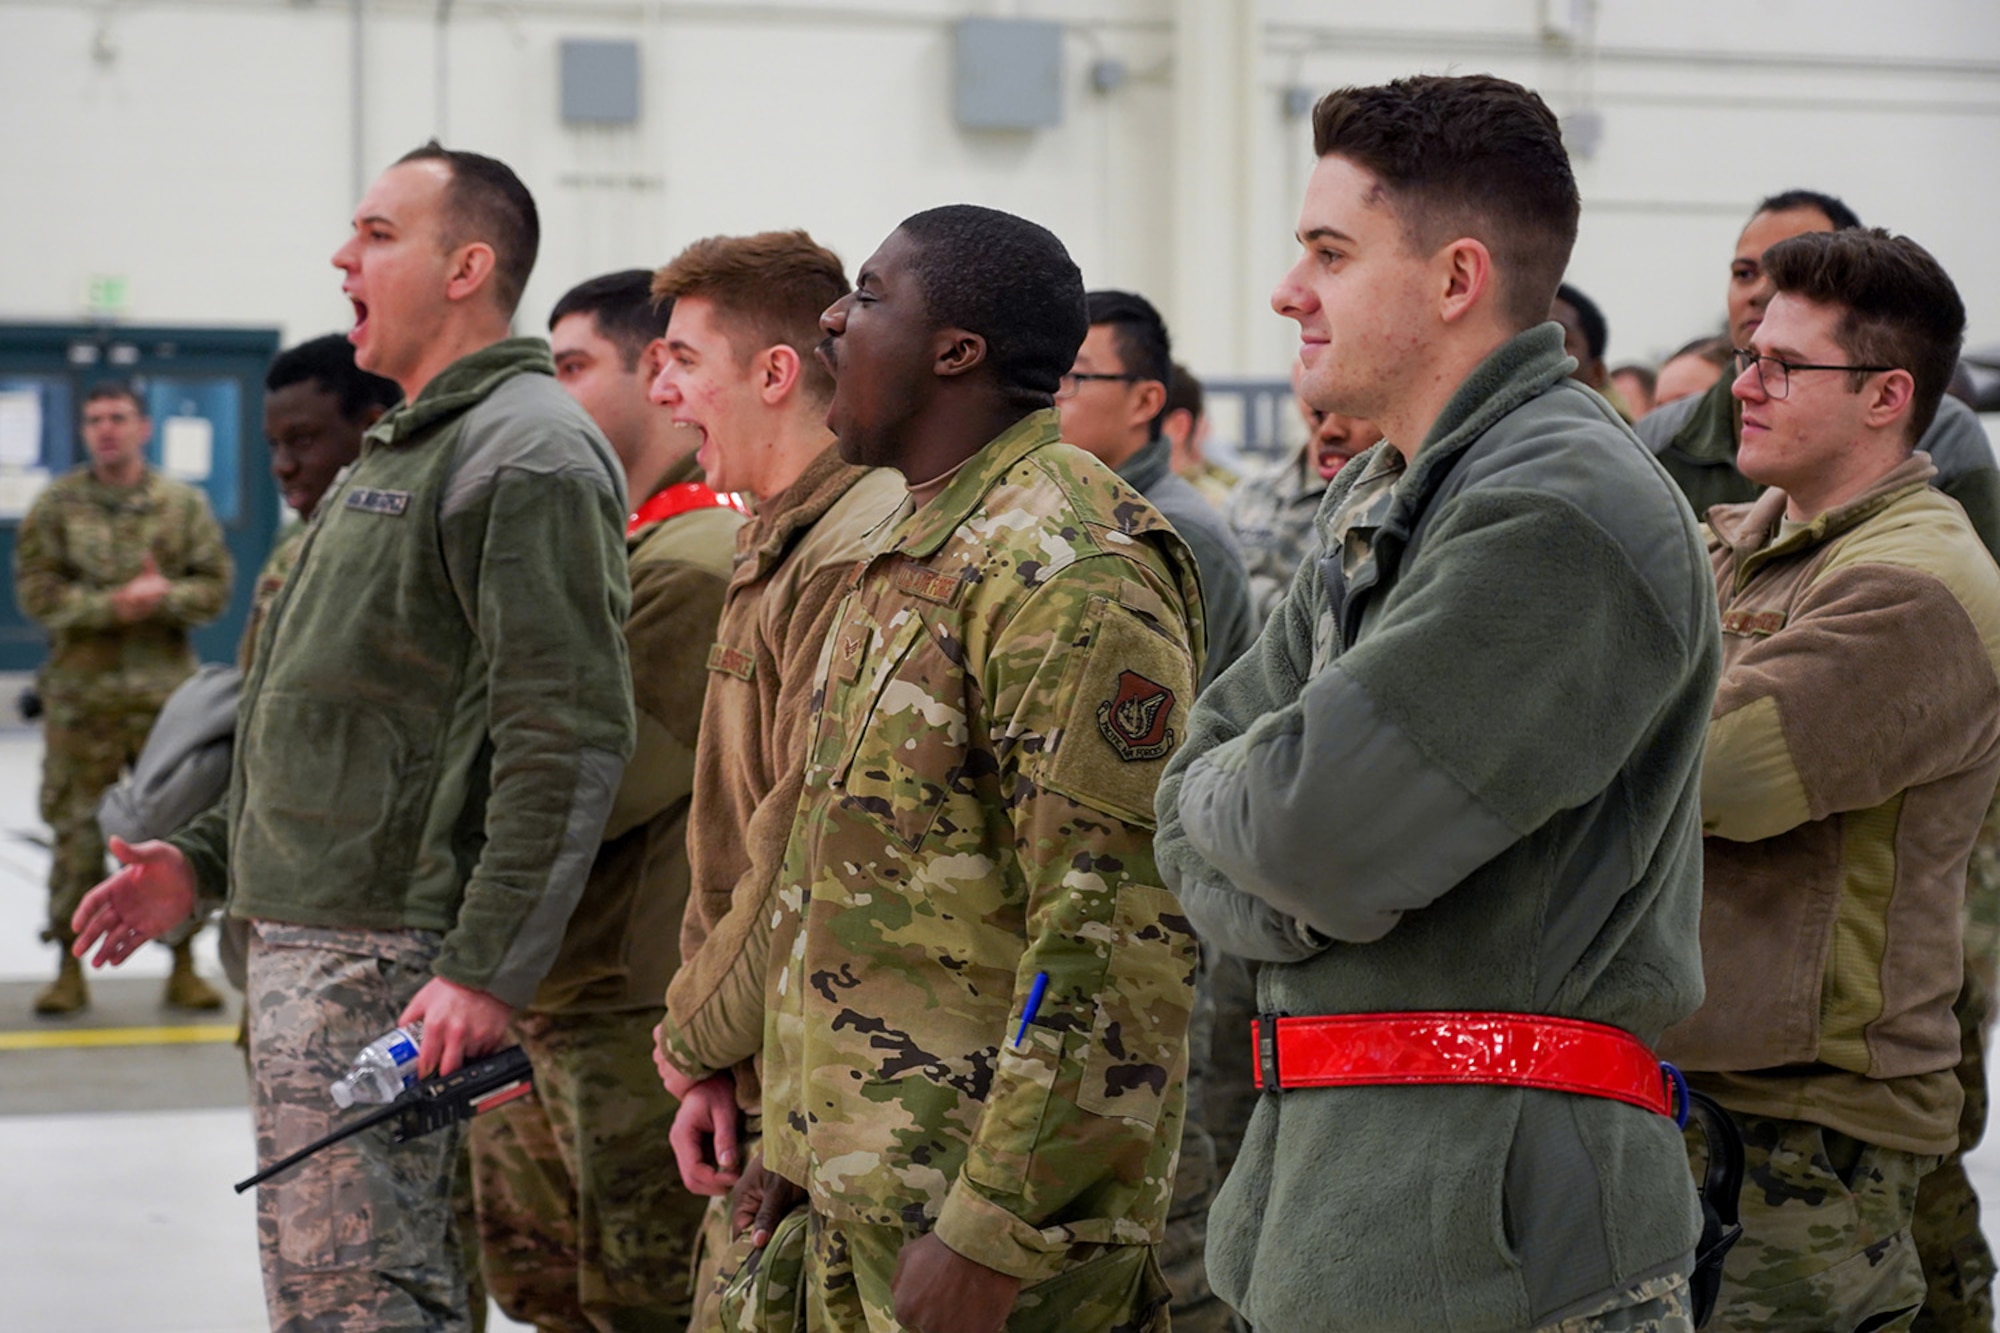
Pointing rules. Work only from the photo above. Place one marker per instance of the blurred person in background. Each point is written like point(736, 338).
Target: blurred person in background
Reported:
point(1184, 423)
point(1586, 334)
point(1693, 369)
point(1272, 511)
point(1636, 385)
point(118, 563)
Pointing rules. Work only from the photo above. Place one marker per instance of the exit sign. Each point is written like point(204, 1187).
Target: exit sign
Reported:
point(107, 294)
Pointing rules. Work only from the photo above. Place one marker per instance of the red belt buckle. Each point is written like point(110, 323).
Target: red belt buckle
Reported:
point(1504, 1050)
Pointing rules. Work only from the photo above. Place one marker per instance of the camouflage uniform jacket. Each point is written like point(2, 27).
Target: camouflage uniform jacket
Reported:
point(1696, 440)
point(1461, 771)
point(1272, 515)
point(278, 567)
point(793, 563)
point(1853, 752)
point(619, 947)
point(81, 541)
point(439, 708)
point(995, 704)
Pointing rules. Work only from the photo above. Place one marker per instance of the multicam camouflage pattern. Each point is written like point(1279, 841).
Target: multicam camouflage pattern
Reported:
point(1826, 1232)
point(1107, 1289)
point(84, 752)
point(1272, 514)
point(977, 810)
point(271, 578)
point(80, 542)
point(359, 1237)
point(1958, 1261)
point(1657, 1305)
point(583, 1221)
point(756, 1290)
point(105, 681)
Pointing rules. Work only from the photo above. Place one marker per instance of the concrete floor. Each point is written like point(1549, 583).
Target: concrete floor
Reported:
point(122, 1129)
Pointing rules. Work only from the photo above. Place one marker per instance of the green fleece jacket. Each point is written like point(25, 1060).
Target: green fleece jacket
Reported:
point(440, 706)
point(1468, 780)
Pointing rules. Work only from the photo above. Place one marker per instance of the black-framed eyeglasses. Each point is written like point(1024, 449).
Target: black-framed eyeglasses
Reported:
point(1066, 387)
point(1775, 374)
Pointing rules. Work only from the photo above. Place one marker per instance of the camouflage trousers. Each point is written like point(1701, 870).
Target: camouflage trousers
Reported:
point(1657, 1305)
point(361, 1236)
point(1826, 1233)
point(1220, 1096)
point(848, 1267)
point(583, 1222)
point(83, 755)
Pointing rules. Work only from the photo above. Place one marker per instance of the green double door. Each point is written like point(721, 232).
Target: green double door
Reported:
point(204, 389)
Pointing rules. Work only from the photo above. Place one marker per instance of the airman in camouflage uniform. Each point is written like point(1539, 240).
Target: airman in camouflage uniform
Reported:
point(975, 1048)
point(118, 563)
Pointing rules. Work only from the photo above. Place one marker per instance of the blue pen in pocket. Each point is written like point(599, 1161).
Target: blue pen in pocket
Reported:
point(1034, 1006)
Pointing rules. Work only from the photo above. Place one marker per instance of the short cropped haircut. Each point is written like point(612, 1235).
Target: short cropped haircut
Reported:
point(767, 289)
point(1645, 374)
point(1839, 214)
point(115, 389)
point(1011, 282)
point(1898, 307)
point(1184, 392)
point(622, 307)
point(1138, 332)
point(487, 202)
point(1471, 156)
point(328, 361)
point(1596, 333)
point(1717, 351)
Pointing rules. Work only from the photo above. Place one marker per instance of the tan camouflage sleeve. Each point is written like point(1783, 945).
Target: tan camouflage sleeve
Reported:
point(1089, 690)
point(45, 584)
point(201, 582)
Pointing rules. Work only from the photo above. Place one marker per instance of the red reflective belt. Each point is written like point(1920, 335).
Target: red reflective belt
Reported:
point(1508, 1050)
point(680, 498)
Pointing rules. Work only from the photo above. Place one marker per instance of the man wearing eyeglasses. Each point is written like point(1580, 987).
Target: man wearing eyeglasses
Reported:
point(1853, 749)
point(1696, 438)
point(1112, 403)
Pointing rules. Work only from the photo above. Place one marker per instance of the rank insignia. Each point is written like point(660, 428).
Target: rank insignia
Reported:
point(1135, 719)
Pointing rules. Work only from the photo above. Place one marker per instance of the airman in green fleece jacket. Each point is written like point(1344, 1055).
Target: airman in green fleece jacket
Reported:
point(1460, 769)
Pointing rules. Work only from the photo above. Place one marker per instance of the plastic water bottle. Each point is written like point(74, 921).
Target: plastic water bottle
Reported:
point(383, 1069)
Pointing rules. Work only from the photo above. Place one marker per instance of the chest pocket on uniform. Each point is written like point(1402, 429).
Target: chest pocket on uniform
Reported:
point(903, 733)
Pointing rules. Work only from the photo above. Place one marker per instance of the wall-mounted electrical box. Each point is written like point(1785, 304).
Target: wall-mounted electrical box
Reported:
point(600, 81)
point(1009, 74)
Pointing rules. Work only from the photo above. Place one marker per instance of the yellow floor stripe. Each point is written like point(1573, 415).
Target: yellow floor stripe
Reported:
point(81, 1037)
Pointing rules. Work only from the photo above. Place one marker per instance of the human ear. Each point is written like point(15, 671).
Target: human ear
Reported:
point(958, 352)
point(652, 359)
point(470, 269)
point(1465, 272)
point(778, 369)
point(1147, 402)
point(1890, 398)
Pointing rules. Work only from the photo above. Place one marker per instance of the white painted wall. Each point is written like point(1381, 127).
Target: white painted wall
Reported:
point(205, 148)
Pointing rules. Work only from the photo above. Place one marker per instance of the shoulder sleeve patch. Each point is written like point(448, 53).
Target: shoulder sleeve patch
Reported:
point(1128, 687)
point(731, 661)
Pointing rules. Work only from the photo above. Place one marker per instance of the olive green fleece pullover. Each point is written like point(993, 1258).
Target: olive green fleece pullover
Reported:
point(440, 706)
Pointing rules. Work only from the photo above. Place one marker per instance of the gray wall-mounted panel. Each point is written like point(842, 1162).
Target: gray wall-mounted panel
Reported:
point(1009, 74)
point(600, 81)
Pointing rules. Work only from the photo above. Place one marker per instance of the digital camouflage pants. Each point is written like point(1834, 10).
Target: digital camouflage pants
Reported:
point(1657, 1305)
point(583, 1222)
point(359, 1238)
point(1826, 1233)
point(847, 1269)
point(83, 754)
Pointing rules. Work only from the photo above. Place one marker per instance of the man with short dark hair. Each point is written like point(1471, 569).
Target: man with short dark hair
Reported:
point(1585, 335)
point(427, 749)
point(740, 381)
point(579, 1225)
point(1111, 404)
point(979, 994)
point(1854, 748)
point(117, 563)
point(1449, 800)
point(1697, 440)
